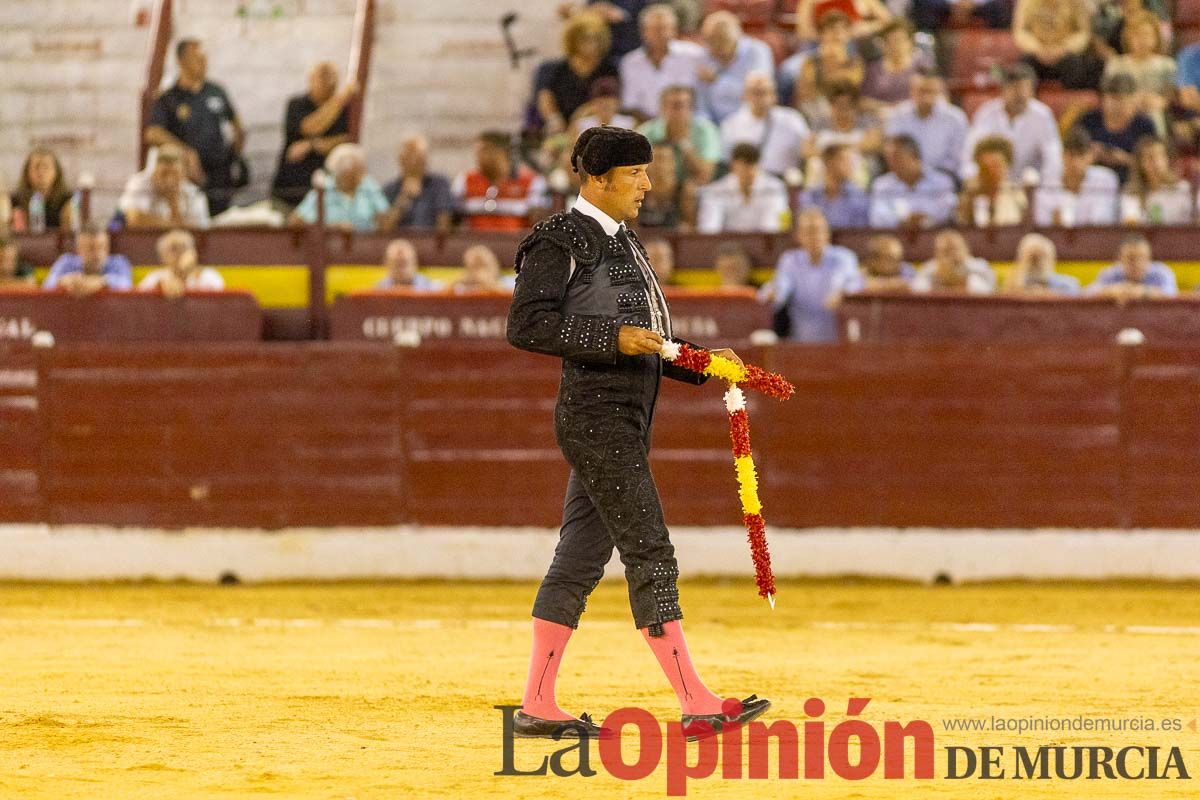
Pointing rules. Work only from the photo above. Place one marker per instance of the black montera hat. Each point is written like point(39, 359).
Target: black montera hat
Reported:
point(599, 149)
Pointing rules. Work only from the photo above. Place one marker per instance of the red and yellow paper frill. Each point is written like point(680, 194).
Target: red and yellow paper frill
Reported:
point(770, 384)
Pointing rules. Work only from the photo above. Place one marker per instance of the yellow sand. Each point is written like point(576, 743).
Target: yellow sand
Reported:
point(386, 690)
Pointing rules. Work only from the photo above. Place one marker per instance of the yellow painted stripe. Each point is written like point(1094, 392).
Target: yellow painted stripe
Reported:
point(273, 286)
point(1187, 273)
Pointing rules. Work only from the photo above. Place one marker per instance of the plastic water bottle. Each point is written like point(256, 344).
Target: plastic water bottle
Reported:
point(37, 213)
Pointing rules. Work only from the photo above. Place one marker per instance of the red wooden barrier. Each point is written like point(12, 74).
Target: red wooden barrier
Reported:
point(902, 317)
point(130, 316)
point(20, 433)
point(710, 318)
point(1015, 434)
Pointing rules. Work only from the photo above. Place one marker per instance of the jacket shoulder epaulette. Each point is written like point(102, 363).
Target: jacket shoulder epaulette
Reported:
point(567, 232)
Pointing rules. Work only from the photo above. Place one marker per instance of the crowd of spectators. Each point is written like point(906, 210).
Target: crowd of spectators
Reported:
point(851, 119)
point(835, 110)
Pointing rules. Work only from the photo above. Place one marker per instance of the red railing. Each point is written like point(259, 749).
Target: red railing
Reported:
point(156, 57)
point(360, 62)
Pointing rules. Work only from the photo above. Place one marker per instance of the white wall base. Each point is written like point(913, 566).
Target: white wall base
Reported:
point(78, 553)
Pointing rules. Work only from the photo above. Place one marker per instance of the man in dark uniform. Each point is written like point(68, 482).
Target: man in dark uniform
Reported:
point(586, 293)
point(196, 115)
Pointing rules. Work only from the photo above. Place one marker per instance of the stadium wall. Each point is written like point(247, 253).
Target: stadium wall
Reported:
point(71, 73)
point(331, 434)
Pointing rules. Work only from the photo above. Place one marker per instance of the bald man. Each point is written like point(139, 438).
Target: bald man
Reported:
point(314, 124)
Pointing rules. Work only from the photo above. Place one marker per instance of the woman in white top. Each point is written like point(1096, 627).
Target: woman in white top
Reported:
point(1155, 195)
point(181, 271)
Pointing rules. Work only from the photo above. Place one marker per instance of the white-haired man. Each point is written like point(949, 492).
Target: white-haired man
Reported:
point(731, 57)
point(353, 200)
point(777, 131)
point(663, 60)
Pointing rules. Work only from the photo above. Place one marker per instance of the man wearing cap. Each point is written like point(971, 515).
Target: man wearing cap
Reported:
point(1023, 120)
point(586, 293)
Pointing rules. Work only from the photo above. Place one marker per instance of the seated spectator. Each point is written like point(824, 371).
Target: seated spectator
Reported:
point(562, 85)
point(621, 16)
point(1155, 194)
point(934, 15)
point(353, 200)
point(42, 182)
point(1153, 73)
point(834, 62)
point(181, 271)
point(1023, 120)
point(498, 195)
point(1135, 275)
point(662, 259)
point(602, 108)
point(851, 125)
point(810, 280)
point(1109, 18)
point(1055, 38)
point(313, 124)
point(400, 261)
point(421, 198)
point(14, 270)
point(91, 268)
point(888, 79)
point(161, 196)
point(663, 60)
point(990, 197)
point(954, 269)
point(732, 266)
point(671, 203)
point(1116, 127)
point(777, 131)
point(730, 56)
point(695, 139)
point(195, 115)
point(939, 128)
point(747, 199)
point(843, 203)
point(1088, 193)
point(1034, 270)
point(481, 273)
point(884, 268)
point(910, 195)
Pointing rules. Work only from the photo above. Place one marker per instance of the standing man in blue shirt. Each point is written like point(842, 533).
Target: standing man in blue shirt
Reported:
point(811, 279)
point(1135, 275)
point(91, 267)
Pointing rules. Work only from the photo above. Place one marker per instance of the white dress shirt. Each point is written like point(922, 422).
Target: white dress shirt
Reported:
point(1094, 204)
point(642, 82)
point(778, 136)
point(1033, 133)
point(723, 207)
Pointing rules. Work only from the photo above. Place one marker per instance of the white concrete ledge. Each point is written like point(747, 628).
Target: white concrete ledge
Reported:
point(80, 553)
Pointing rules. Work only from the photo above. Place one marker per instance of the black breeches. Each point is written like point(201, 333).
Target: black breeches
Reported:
point(611, 502)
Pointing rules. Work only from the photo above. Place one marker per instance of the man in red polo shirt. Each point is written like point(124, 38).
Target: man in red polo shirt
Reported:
point(495, 196)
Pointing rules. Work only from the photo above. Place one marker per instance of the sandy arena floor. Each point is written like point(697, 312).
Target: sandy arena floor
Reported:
point(386, 690)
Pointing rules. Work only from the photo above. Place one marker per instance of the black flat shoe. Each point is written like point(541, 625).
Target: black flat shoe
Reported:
point(701, 726)
point(527, 727)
